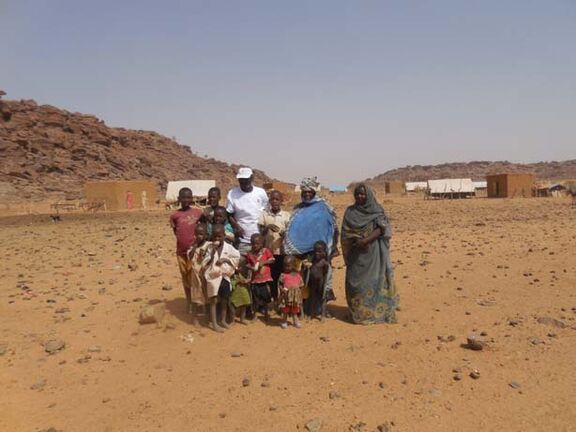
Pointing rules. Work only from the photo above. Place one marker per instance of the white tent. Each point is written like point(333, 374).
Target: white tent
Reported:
point(446, 186)
point(414, 186)
point(480, 184)
point(199, 188)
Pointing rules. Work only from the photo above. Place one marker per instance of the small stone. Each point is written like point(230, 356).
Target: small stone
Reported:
point(106, 400)
point(94, 349)
point(381, 385)
point(324, 338)
point(551, 321)
point(236, 354)
point(514, 385)
point(151, 314)
point(245, 382)
point(457, 377)
point(38, 385)
point(166, 287)
point(265, 384)
point(222, 415)
point(3, 349)
point(384, 427)
point(52, 346)
point(475, 374)
point(334, 395)
point(474, 343)
point(314, 425)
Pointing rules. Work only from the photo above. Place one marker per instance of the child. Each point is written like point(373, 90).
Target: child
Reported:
point(319, 281)
point(259, 260)
point(197, 254)
point(273, 223)
point(290, 286)
point(213, 203)
point(240, 297)
point(220, 217)
point(183, 223)
point(220, 265)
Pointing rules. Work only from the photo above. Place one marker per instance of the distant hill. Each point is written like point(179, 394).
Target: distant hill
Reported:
point(47, 152)
point(478, 171)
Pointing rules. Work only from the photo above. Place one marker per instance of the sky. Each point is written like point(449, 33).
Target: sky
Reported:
point(341, 89)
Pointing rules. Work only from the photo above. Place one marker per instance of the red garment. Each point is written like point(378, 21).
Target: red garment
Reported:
point(292, 280)
point(183, 222)
point(263, 274)
point(291, 309)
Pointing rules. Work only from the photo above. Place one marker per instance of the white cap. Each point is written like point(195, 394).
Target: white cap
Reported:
point(244, 173)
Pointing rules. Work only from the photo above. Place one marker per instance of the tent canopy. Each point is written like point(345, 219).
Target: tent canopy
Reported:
point(443, 186)
point(199, 188)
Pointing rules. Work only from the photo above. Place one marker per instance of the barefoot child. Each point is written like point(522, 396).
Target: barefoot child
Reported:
point(221, 264)
point(318, 281)
point(290, 286)
point(183, 223)
point(273, 223)
point(220, 217)
point(197, 255)
point(259, 260)
point(240, 297)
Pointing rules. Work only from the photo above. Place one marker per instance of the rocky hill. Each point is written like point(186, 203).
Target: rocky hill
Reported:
point(478, 171)
point(48, 153)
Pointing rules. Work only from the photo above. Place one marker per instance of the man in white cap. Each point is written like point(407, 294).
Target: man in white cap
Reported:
point(244, 205)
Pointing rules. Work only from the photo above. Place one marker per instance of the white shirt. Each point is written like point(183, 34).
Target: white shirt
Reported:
point(215, 273)
point(247, 207)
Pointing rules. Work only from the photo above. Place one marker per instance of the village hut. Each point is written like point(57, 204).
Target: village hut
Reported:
point(199, 189)
point(510, 185)
point(394, 187)
point(450, 188)
point(121, 194)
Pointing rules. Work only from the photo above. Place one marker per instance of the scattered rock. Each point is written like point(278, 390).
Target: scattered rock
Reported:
point(324, 338)
point(245, 382)
point(334, 395)
point(314, 425)
point(551, 321)
point(236, 354)
point(52, 346)
point(38, 385)
point(514, 385)
point(357, 427)
point(475, 343)
point(475, 374)
point(166, 287)
point(151, 314)
point(94, 349)
point(457, 377)
point(385, 427)
point(3, 349)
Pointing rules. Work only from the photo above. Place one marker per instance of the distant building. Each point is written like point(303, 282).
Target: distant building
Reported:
point(122, 194)
point(199, 188)
point(416, 186)
point(451, 188)
point(338, 188)
point(510, 185)
point(394, 187)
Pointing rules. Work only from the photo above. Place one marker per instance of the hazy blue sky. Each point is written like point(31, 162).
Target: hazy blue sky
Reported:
point(342, 89)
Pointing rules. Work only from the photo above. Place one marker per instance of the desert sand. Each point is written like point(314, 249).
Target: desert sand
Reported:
point(503, 270)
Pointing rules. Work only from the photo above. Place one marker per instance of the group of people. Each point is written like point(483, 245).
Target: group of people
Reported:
point(251, 257)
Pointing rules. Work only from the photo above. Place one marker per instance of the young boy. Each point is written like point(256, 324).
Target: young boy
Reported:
point(220, 265)
point(259, 260)
point(319, 281)
point(273, 223)
point(213, 203)
point(220, 217)
point(197, 255)
point(183, 223)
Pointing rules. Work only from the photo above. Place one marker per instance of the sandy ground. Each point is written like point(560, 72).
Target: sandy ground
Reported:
point(463, 267)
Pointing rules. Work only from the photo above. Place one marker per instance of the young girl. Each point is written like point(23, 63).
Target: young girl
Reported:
point(240, 297)
point(259, 260)
point(197, 254)
point(220, 265)
point(319, 281)
point(183, 223)
point(290, 286)
point(220, 217)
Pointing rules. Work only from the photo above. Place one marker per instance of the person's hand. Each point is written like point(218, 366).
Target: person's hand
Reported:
point(361, 244)
point(274, 228)
point(335, 253)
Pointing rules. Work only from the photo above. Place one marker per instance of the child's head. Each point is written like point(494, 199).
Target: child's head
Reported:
point(320, 250)
point(257, 242)
point(218, 233)
point(213, 196)
point(185, 197)
point(289, 264)
point(201, 233)
point(220, 216)
point(275, 200)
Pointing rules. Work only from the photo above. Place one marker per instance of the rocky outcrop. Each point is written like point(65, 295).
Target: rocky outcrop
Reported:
point(478, 171)
point(48, 153)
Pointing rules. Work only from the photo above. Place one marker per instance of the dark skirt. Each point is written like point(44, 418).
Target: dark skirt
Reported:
point(260, 295)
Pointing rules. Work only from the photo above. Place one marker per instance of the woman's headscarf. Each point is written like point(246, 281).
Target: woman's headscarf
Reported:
point(358, 216)
point(309, 183)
